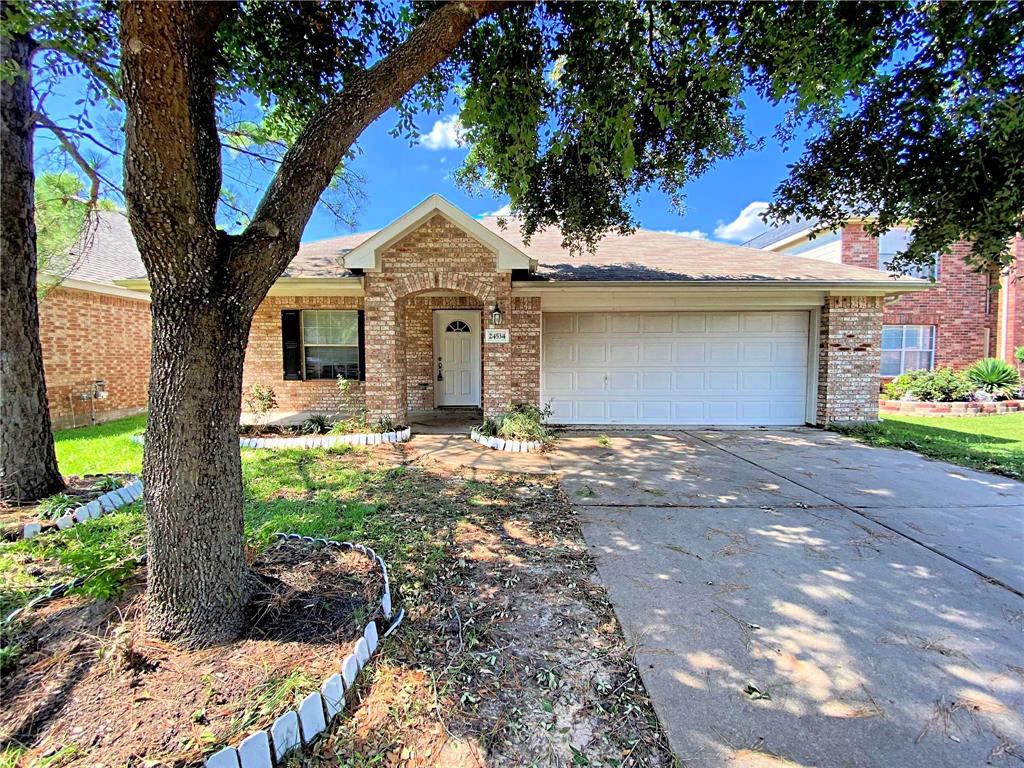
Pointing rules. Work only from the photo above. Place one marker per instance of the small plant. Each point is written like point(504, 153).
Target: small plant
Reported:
point(56, 506)
point(383, 424)
point(994, 376)
point(1018, 355)
point(523, 421)
point(604, 441)
point(107, 483)
point(316, 424)
point(260, 401)
point(353, 408)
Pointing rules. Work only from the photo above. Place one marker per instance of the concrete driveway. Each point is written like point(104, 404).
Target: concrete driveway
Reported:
point(800, 599)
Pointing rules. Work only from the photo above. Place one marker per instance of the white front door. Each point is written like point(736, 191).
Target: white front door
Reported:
point(457, 367)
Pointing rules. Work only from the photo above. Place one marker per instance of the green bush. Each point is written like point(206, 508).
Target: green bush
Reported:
point(994, 376)
point(523, 421)
point(1018, 354)
point(943, 385)
point(56, 506)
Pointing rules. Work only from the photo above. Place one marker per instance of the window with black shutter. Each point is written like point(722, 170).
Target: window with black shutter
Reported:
point(291, 339)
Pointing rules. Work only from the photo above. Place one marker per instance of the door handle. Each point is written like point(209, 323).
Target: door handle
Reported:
point(440, 370)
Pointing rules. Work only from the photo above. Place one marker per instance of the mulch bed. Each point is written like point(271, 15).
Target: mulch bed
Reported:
point(93, 684)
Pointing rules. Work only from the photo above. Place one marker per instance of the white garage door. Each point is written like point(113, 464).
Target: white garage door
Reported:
point(675, 367)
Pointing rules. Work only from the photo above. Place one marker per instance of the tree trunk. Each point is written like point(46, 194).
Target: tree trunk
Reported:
point(193, 475)
point(28, 463)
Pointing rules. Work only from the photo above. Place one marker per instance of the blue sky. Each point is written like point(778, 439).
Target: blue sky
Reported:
point(722, 205)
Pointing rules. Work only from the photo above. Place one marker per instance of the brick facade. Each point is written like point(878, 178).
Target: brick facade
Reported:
point(88, 337)
point(1011, 329)
point(849, 354)
point(961, 306)
point(435, 267)
point(264, 356)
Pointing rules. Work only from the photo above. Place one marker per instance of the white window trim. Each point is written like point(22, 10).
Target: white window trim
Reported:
point(903, 349)
point(303, 344)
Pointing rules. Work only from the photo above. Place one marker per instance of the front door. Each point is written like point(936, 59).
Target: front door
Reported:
point(457, 368)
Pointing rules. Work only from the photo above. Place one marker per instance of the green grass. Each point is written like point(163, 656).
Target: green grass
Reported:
point(990, 443)
point(100, 449)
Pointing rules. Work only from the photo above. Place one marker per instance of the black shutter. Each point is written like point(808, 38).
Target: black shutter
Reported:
point(362, 346)
point(291, 330)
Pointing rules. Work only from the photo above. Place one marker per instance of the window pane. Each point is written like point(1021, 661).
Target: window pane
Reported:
point(914, 361)
point(892, 336)
point(912, 337)
point(332, 362)
point(329, 326)
point(891, 364)
point(890, 243)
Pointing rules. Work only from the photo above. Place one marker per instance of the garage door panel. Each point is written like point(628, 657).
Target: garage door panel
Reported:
point(729, 367)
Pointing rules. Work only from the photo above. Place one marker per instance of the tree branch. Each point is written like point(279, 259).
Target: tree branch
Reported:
point(71, 148)
point(307, 168)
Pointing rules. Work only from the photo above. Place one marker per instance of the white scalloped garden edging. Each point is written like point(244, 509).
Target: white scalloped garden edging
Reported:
point(314, 441)
point(102, 505)
point(509, 446)
point(302, 725)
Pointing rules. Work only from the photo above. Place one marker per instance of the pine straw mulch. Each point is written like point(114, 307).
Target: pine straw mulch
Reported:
point(94, 689)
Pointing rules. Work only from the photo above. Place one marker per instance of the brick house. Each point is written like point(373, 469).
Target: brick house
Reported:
point(963, 317)
point(95, 334)
point(441, 310)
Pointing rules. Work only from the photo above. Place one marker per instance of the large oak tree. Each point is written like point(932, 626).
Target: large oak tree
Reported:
point(571, 109)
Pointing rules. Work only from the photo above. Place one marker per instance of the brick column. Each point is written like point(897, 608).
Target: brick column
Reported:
point(850, 341)
point(525, 327)
point(497, 383)
point(385, 362)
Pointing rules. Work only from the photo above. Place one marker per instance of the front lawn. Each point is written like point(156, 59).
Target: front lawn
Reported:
point(510, 653)
point(990, 443)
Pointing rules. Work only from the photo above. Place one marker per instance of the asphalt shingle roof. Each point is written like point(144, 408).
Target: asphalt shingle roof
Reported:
point(107, 252)
point(781, 232)
point(642, 256)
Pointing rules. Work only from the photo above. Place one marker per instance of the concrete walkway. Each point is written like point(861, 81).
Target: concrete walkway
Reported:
point(800, 599)
point(458, 451)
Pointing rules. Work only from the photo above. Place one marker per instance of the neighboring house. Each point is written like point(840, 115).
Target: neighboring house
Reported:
point(964, 316)
point(95, 334)
point(439, 309)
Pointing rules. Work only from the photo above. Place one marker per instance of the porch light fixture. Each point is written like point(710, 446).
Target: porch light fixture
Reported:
point(497, 318)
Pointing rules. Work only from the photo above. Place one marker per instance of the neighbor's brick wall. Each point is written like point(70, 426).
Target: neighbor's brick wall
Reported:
point(850, 339)
point(264, 356)
point(90, 336)
point(435, 256)
point(961, 305)
point(1013, 284)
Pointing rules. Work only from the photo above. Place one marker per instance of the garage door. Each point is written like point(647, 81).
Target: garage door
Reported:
point(675, 367)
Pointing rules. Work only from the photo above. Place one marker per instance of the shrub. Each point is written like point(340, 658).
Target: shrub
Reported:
point(383, 424)
point(260, 401)
point(1018, 355)
point(316, 424)
point(899, 388)
point(353, 408)
point(519, 422)
point(994, 376)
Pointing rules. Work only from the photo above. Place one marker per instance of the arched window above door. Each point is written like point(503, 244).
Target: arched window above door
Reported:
point(457, 326)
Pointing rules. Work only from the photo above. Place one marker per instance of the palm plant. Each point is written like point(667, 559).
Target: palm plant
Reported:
point(994, 376)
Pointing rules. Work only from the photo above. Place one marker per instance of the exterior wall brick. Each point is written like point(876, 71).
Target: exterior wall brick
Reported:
point(961, 306)
point(264, 356)
point(1013, 284)
point(436, 257)
point(849, 354)
point(88, 337)
point(525, 329)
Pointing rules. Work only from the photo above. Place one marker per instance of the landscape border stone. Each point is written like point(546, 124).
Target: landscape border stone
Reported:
point(509, 446)
point(304, 724)
point(314, 441)
point(959, 408)
point(103, 505)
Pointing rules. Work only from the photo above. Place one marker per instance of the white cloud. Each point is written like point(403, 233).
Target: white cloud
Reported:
point(505, 210)
point(446, 134)
point(745, 226)
point(695, 234)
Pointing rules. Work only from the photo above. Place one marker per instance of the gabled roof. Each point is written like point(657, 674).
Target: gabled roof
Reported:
point(366, 255)
point(644, 256)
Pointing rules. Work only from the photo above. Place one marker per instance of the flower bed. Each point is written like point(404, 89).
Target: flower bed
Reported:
point(959, 408)
point(316, 441)
point(511, 446)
